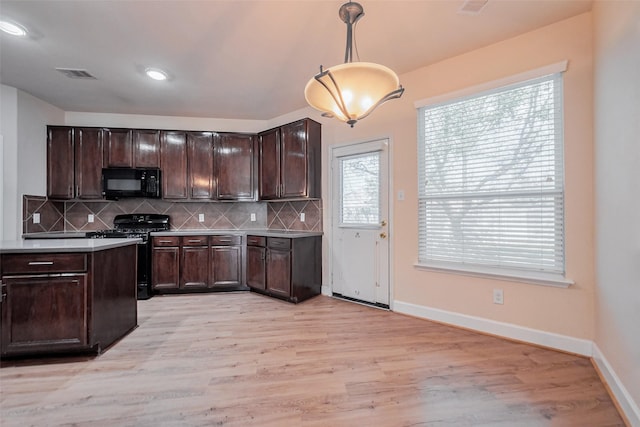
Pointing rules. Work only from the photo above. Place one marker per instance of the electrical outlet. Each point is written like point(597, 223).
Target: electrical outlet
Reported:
point(91, 218)
point(36, 218)
point(302, 216)
point(498, 296)
point(253, 217)
point(200, 217)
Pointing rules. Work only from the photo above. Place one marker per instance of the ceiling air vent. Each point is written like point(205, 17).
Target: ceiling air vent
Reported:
point(472, 7)
point(73, 73)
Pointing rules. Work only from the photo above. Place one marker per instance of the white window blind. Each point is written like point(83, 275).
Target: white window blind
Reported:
point(360, 189)
point(491, 187)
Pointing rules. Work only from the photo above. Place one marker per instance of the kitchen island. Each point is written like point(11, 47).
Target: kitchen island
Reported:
point(66, 295)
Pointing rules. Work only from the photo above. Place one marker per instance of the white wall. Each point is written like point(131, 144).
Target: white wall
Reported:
point(23, 119)
point(617, 148)
point(9, 132)
point(33, 117)
point(73, 118)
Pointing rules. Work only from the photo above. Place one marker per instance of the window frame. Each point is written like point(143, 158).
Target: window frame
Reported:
point(479, 270)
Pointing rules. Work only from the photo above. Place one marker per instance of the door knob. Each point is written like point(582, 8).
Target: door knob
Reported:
point(383, 223)
point(383, 235)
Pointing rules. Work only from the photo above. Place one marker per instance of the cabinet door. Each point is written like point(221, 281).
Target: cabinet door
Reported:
point(118, 148)
point(256, 268)
point(165, 273)
point(88, 162)
point(269, 164)
point(195, 267)
point(226, 266)
point(234, 169)
point(173, 161)
point(279, 272)
point(293, 167)
point(42, 313)
point(146, 148)
point(200, 161)
point(60, 163)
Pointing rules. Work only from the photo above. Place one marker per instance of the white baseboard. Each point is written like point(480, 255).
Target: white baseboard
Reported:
point(533, 336)
point(627, 405)
point(507, 330)
point(326, 290)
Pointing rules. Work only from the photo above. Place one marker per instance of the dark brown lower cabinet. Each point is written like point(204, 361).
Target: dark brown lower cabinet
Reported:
point(72, 302)
point(197, 263)
point(194, 271)
point(287, 268)
point(226, 261)
point(256, 263)
point(165, 267)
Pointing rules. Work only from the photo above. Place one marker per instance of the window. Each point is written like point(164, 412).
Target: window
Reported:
point(491, 187)
point(360, 189)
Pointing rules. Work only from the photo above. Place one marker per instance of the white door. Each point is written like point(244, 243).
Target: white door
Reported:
point(360, 242)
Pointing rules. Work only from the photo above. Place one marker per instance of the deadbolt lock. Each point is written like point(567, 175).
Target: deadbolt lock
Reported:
point(383, 223)
point(383, 235)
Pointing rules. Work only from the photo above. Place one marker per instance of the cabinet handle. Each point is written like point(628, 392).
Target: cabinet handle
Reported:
point(77, 190)
point(225, 240)
point(164, 241)
point(195, 241)
point(40, 262)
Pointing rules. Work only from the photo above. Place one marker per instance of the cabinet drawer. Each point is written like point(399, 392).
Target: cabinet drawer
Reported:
point(226, 240)
point(166, 241)
point(279, 243)
point(256, 241)
point(43, 263)
point(194, 240)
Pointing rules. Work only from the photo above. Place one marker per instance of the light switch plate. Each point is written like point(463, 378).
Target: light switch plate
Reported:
point(302, 216)
point(253, 217)
point(91, 218)
point(201, 217)
point(36, 218)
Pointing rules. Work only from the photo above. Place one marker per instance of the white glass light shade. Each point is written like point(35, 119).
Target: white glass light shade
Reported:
point(352, 90)
point(12, 28)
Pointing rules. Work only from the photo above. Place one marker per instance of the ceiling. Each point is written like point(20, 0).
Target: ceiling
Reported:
point(236, 59)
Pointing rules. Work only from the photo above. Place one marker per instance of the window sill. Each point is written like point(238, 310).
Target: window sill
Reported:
point(544, 279)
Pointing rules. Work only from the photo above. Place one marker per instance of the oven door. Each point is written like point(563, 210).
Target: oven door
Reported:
point(144, 270)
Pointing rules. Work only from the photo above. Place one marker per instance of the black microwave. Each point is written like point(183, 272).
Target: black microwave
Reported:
point(123, 182)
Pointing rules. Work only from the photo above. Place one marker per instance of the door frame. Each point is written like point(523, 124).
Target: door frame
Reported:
point(329, 210)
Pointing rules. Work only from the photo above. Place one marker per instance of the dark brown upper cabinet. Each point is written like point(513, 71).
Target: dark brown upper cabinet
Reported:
point(234, 167)
point(173, 163)
point(88, 162)
point(200, 164)
point(74, 162)
point(118, 148)
point(289, 161)
point(146, 148)
point(60, 162)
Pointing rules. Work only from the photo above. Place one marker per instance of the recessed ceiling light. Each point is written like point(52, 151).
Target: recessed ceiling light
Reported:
point(13, 28)
point(156, 74)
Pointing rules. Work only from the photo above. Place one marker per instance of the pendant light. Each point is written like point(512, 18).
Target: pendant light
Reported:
point(351, 91)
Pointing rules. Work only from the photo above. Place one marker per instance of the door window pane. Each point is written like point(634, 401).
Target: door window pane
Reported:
point(360, 189)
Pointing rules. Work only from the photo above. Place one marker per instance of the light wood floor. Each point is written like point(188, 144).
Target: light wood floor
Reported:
point(246, 360)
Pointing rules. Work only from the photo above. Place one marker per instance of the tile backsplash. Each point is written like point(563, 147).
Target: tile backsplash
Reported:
point(71, 216)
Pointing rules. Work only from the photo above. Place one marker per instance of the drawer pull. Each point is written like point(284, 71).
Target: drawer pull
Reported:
point(224, 240)
point(40, 262)
point(164, 241)
point(195, 241)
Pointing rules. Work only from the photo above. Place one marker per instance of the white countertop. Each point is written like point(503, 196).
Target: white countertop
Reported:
point(63, 245)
